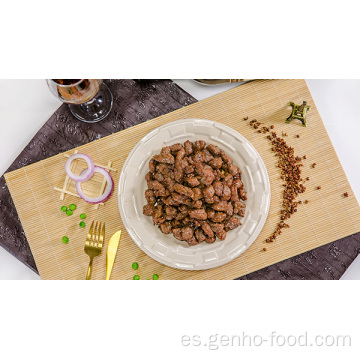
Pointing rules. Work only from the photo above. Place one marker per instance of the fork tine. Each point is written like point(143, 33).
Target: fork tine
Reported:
point(89, 235)
point(98, 235)
point(94, 237)
point(102, 235)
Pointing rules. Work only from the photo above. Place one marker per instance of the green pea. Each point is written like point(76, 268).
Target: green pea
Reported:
point(135, 265)
point(63, 208)
point(156, 277)
point(65, 239)
point(82, 224)
point(69, 212)
point(82, 216)
point(72, 207)
point(136, 277)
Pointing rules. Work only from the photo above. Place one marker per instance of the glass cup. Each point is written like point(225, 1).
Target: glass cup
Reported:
point(89, 100)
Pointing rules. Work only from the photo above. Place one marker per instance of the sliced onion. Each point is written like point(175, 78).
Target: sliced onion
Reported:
point(85, 174)
point(108, 190)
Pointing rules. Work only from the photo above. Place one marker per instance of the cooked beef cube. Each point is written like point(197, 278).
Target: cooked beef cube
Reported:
point(230, 209)
point(210, 240)
point(198, 157)
point(165, 150)
point(178, 175)
point(197, 204)
point(234, 193)
point(177, 233)
point(207, 156)
point(226, 193)
point(213, 149)
point(184, 163)
point(158, 215)
point(218, 187)
point(207, 229)
point(198, 214)
point(170, 210)
point(181, 199)
point(242, 194)
point(228, 180)
point(239, 208)
point(176, 147)
point(179, 157)
point(233, 170)
point(210, 213)
point(150, 196)
point(221, 206)
point(152, 166)
point(170, 201)
point(199, 145)
point(188, 145)
point(159, 177)
point(189, 169)
point(180, 216)
point(199, 235)
point(169, 183)
point(166, 227)
point(187, 233)
point(219, 217)
point(216, 163)
point(184, 190)
point(232, 223)
point(197, 194)
point(148, 177)
point(209, 192)
point(192, 241)
point(238, 183)
point(166, 159)
point(155, 185)
point(187, 221)
point(148, 210)
point(192, 181)
point(163, 169)
point(225, 157)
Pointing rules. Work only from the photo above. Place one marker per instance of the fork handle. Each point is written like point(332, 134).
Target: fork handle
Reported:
point(88, 274)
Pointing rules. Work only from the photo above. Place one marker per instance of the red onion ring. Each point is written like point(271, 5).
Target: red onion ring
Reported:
point(85, 174)
point(108, 190)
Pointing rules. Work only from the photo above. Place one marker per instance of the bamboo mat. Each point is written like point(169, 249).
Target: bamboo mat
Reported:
point(327, 217)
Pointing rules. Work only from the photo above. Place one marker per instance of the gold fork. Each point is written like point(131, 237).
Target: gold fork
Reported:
point(94, 243)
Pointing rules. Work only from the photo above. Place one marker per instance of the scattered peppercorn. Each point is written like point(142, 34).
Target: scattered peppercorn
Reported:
point(297, 136)
point(306, 201)
point(289, 165)
point(313, 165)
point(318, 187)
point(264, 249)
point(346, 194)
point(304, 157)
point(245, 118)
point(307, 178)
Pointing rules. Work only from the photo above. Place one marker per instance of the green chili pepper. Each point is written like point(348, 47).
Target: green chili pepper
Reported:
point(136, 277)
point(135, 265)
point(65, 239)
point(156, 277)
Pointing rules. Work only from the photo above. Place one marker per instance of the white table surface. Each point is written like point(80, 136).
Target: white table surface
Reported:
point(27, 104)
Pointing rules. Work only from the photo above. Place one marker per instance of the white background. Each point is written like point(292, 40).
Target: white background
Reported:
point(188, 39)
point(337, 102)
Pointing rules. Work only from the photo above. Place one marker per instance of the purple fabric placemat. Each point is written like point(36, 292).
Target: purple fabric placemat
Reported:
point(134, 103)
